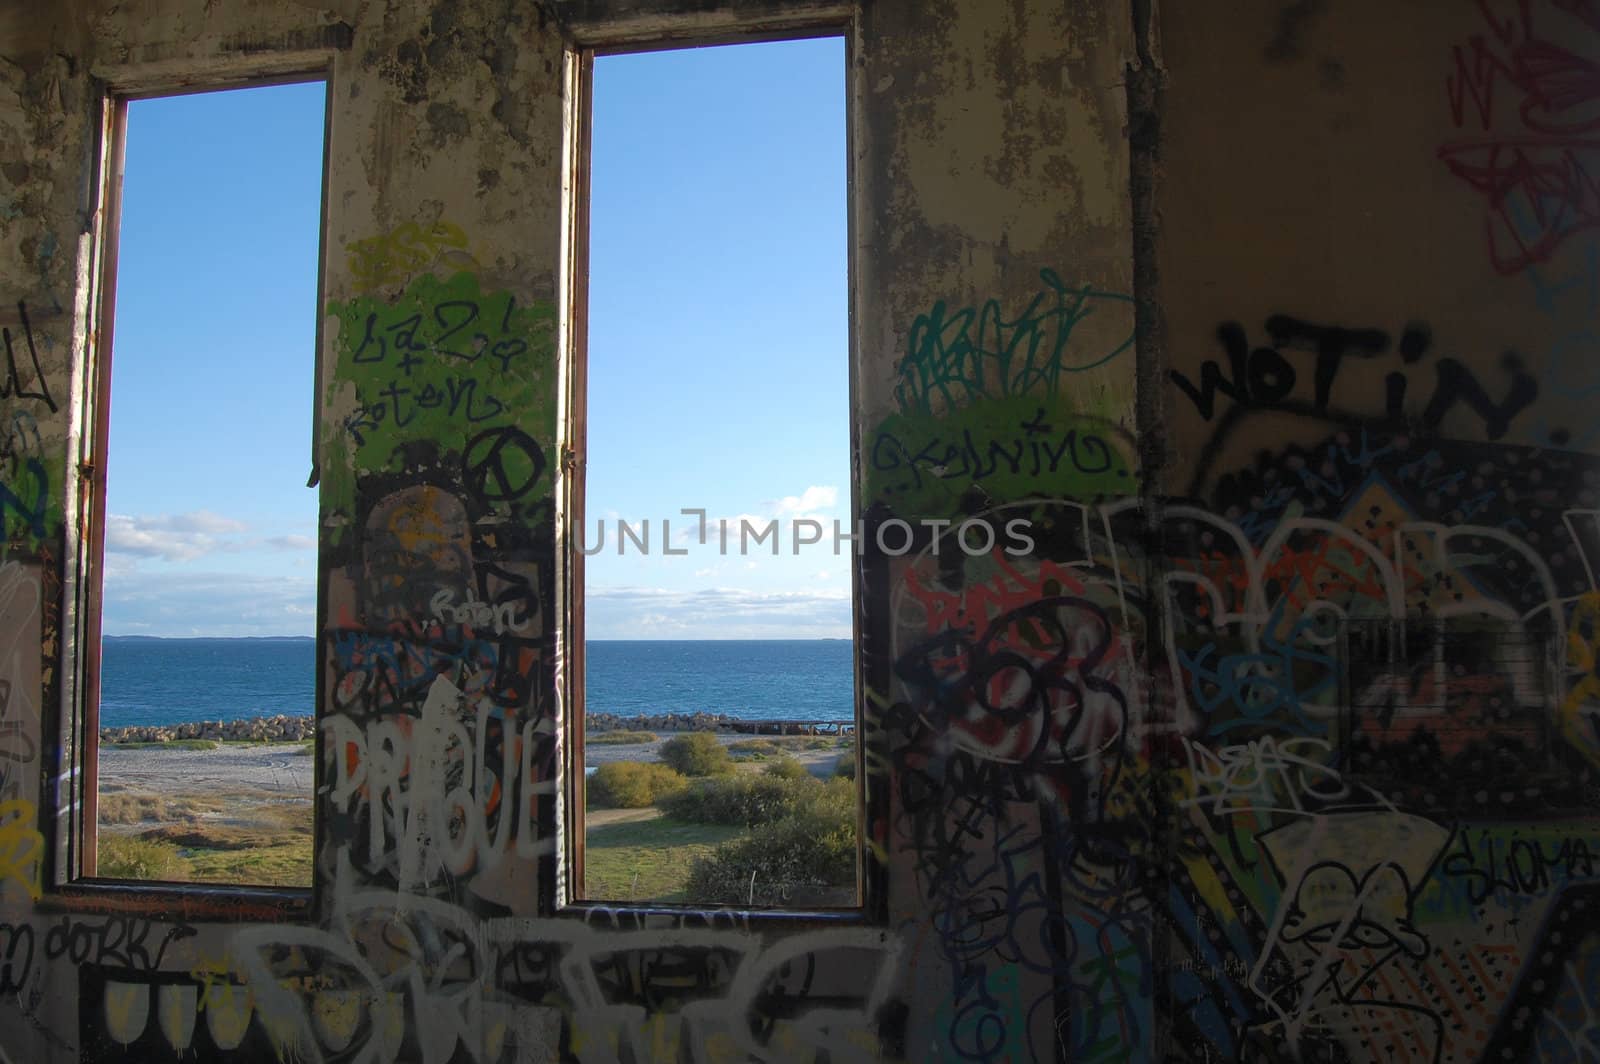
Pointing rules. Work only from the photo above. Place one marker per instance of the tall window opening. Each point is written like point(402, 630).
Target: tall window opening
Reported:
point(207, 594)
point(712, 540)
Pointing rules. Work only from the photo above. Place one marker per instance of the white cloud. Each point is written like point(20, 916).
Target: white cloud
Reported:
point(187, 536)
point(199, 521)
point(190, 603)
point(175, 537)
point(810, 501)
point(715, 613)
point(687, 530)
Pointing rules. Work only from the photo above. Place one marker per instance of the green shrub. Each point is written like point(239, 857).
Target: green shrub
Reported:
point(632, 784)
point(754, 749)
point(806, 858)
point(838, 798)
point(845, 767)
point(617, 738)
point(697, 754)
point(130, 857)
point(747, 800)
point(786, 768)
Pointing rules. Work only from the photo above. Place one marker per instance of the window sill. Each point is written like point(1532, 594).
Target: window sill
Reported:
point(220, 902)
point(627, 914)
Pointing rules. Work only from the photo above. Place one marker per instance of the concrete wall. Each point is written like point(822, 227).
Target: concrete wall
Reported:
point(1280, 742)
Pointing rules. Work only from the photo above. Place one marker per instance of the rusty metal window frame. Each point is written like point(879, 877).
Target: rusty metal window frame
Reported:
point(833, 21)
point(74, 883)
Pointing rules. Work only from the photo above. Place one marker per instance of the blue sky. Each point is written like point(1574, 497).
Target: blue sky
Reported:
point(717, 353)
point(210, 529)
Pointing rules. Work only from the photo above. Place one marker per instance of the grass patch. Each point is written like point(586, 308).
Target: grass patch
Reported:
point(778, 745)
point(270, 862)
point(286, 863)
point(648, 860)
point(262, 825)
point(251, 838)
point(132, 857)
point(136, 807)
point(619, 738)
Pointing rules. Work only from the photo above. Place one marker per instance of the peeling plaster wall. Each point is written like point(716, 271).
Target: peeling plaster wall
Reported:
point(1278, 742)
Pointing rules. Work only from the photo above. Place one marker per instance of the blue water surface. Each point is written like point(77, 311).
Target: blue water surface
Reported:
point(171, 681)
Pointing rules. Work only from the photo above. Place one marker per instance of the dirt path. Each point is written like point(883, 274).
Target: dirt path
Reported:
point(604, 818)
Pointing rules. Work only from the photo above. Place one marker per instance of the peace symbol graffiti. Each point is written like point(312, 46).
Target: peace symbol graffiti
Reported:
point(502, 464)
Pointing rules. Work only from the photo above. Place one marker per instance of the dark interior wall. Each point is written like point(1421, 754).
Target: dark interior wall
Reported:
point(1378, 265)
point(1275, 329)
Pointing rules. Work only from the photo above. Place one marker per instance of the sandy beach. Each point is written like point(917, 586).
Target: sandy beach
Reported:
point(279, 769)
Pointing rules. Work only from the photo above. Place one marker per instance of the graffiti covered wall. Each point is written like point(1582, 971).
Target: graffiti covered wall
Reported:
point(1380, 531)
point(1263, 725)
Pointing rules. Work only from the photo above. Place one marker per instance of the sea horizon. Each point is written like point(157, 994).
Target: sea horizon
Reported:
point(151, 680)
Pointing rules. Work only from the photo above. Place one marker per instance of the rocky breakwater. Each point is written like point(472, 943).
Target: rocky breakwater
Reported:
point(657, 722)
point(281, 728)
point(715, 722)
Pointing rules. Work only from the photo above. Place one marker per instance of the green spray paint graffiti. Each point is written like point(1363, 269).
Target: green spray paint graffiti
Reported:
point(1003, 450)
point(955, 356)
point(469, 372)
point(31, 511)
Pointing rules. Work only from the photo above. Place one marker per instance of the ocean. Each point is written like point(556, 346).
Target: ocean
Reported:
point(173, 681)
